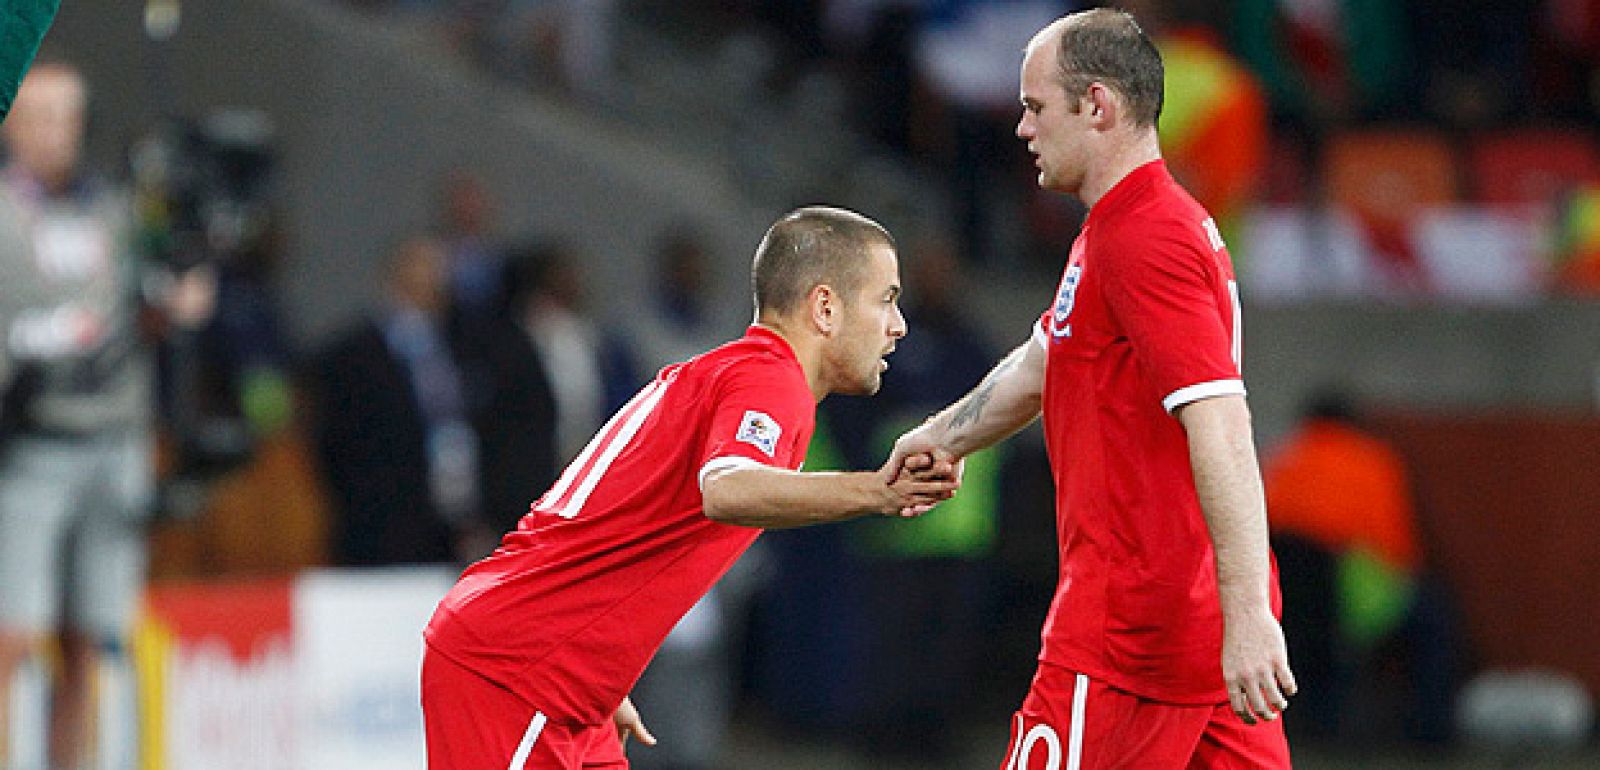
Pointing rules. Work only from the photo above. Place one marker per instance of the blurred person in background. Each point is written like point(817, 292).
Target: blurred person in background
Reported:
point(506, 385)
point(965, 55)
point(591, 366)
point(513, 403)
point(394, 431)
point(476, 259)
point(1355, 590)
point(76, 479)
point(1163, 646)
point(682, 313)
point(532, 655)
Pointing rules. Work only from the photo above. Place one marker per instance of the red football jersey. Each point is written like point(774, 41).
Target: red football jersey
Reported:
point(1146, 319)
point(572, 605)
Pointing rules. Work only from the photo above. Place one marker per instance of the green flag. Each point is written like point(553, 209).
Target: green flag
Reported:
point(22, 26)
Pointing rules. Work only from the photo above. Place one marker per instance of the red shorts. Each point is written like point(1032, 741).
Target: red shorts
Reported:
point(1072, 722)
point(475, 724)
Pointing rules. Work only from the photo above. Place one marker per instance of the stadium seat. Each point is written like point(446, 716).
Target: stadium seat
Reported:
point(1389, 176)
point(1386, 179)
point(1530, 166)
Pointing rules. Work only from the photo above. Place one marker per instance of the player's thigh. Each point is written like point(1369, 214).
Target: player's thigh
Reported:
point(1070, 721)
point(470, 723)
point(1230, 744)
point(36, 494)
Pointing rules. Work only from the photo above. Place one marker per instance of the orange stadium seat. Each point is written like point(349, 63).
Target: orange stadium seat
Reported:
point(1388, 176)
point(1531, 166)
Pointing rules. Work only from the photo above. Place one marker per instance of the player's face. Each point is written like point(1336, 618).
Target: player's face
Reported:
point(870, 325)
point(1053, 122)
point(45, 129)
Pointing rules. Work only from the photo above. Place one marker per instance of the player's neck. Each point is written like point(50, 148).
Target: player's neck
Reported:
point(1120, 159)
point(807, 349)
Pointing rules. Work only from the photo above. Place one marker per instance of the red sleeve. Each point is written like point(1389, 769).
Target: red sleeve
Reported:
point(763, 414)
point(1173, 298)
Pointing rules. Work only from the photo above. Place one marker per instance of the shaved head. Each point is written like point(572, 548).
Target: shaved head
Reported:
point(809, 247)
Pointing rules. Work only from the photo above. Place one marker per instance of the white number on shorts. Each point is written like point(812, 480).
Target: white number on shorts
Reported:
point(1025, 742)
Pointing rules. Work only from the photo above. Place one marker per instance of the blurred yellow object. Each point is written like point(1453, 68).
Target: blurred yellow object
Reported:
point(1577, 242)
point(1213, 122)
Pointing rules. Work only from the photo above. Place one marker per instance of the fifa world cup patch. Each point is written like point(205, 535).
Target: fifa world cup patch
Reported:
point(760, 431)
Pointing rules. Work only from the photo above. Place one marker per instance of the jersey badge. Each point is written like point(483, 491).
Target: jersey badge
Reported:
point(1066, 297)
point(760, 431)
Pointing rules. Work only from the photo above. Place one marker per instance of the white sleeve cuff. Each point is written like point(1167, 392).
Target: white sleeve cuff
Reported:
point(1198, 391)
point(1041, 336)
point(726, 462)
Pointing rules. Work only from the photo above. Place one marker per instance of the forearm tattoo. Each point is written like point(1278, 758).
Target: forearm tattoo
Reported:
point(972, 409)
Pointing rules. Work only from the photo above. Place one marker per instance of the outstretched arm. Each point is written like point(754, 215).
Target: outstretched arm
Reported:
point(1005, 402)
point(1255, 661)
point(754, 495)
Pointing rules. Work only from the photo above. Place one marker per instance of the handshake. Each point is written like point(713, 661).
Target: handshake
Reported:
point(919, 480)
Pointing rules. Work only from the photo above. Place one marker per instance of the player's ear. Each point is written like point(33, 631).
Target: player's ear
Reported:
point(822, 307)
point(1103, 106)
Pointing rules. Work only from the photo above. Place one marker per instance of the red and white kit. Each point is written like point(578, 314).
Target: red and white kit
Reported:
point(1145, 320)
point(567, 612)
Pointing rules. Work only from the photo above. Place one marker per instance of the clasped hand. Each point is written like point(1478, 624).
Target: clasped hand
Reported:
point(921, 481)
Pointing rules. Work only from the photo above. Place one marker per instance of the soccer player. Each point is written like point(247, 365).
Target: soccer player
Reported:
point(1162, 648)
point(531, 656)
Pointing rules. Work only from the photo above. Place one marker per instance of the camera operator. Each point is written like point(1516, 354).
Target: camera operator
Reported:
point(75, 465)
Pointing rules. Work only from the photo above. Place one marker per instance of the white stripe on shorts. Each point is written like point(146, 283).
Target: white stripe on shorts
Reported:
point(1080, 698)
point(528, 738)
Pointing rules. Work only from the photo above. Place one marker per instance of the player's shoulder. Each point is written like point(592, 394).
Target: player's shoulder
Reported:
point(1165, 226)
point(1165, 211)
point(749, 358)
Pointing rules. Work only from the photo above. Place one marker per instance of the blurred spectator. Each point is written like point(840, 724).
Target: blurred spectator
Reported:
point(476, 262)
point(394, 436)
point(1355, 587)
point(969, 52)
point(682, 313)
point(877, 37)
point(506, 385)
point(591, 368)
point(513, 404)
point(75, 474)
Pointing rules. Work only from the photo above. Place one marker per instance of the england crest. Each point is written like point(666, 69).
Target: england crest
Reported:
point(1066, 296)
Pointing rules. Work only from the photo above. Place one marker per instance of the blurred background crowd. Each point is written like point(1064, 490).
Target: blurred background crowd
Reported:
point(443, 239)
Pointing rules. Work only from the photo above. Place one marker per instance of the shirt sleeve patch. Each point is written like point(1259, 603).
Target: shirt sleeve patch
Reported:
point(760, 431)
